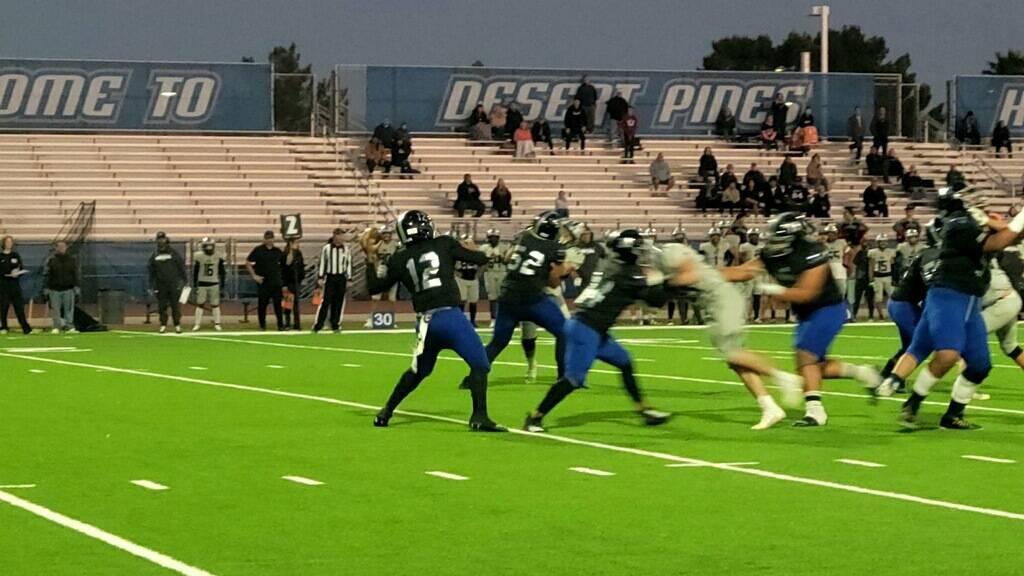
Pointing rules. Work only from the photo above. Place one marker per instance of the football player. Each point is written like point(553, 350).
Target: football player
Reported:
point(618, 283)
point(425, 265)
point(801, 268)
point(208, 274)
point(494, 273)
point(907, 250)
point(880, 261)
point(951, 325)
point(385, 249)
point(466, 277)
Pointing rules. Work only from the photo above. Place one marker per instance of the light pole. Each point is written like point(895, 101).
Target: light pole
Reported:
point(822, 10)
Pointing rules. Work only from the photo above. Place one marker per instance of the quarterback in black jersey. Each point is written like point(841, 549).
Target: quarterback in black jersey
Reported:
point(951, 324)
point(801, 268)
point(616, 285)
point(425, 265)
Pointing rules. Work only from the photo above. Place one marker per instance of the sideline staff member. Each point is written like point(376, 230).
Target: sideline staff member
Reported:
point(333, 272)
point(264, 264)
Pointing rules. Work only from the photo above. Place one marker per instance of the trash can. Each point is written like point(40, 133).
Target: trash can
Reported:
point(111, 303)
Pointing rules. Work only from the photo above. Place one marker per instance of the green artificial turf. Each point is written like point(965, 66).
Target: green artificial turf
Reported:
point(80, 434)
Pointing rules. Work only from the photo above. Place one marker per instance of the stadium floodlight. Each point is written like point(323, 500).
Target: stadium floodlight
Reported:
point(823, 11)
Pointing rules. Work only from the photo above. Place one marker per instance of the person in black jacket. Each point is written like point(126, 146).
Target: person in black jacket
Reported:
point(293, 272)
point(385, 133)
point(855, 131)
point(820, 204)
point(708, 166)
point(11, 269)
point(875, 201)
point(779, 112)
point(467, 197)
point(501, 200)
point(513, 119)
point(575, 125)
point(541, 132)
point(166, 278)
point(587, 95)
point(615, 111)
point(60, 285)
point(725, 124)
point(880, 131)
point(1001, 138)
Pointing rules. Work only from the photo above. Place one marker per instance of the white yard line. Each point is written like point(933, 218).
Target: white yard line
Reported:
point(446, 475)
point(989, 459)
point(561, 439)
point(197, 368)
point(44, 349)
point(302, 480)
point(16, 486)
point(863, 463)
point(591, 471)
point(700, 465)
point(275, 366)
point(352, 365)
point(103, 536)
point(149, 485)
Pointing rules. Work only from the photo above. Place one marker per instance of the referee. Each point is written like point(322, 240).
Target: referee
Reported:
point(332, 276)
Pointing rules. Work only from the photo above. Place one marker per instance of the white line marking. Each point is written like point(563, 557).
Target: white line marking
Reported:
point(562, 439)
point(989, 459)
point(103, 536)
point(274, 366)
point(13, 486)
point(864, 463)
point(723, 463)
point(591, 471)
point(37, 371)
point(446, 475)
point(43, 349)
point(301, 480)
point(149, 485)
point(197, 368)
point(352, 365)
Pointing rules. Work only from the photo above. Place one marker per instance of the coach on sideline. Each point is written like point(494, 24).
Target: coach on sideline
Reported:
point(167, 278)
point(333, 272)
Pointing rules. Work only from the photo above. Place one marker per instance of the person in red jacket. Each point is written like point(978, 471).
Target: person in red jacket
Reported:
point(629, 124)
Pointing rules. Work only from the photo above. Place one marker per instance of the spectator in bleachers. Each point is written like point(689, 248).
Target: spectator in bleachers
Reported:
point(855, 132)
point(955, 179)
point(725, 124)
point(730, 197)
point(377, 155)
point(753, 178)
point(166, 278)
point(874, 162)
point(1001, 138)
point(513, 120)
point(708, 166)
point(562, 204)
point(768, 132)
point(779, 196)
point(402, 133)
point(787, 172)
point(764, 194)
point(661, 173)
point(265, 264)
point(779, 112)
point(629, 139)
point(497, 118)
point(384, 133)
point(806, 118)
point(728, 177)
point(908, 222)
point(892, 167)
point(501, 200)
point(880, 131)
point(60, 285)
point(541, 132)
point(12, 268)
point(587, 95)
point(524, 141)
point(400, 153)
point(913, 184)
point(707, 196)
point(969, 132)
point(575, 125)
point(799, 197)
point(820, 204)
point(478, 123)
point(875, 200)
point(615, 111)
point(467, 197)
point(815, 173)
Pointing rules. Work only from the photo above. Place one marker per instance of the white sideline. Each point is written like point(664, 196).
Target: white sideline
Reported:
point(862, 397)
point(591, 471)
point(301, 480)
point(863, 463)
point(446, 475)
point(557, 438)
point(149, 485)
point(989, 459)
point(103, 536)
point(13, 486)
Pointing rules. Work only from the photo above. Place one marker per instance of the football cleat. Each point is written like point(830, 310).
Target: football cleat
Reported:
point(177, 329)
point(886, 388)
point(382, 418)
point(485, 424)
point(807, 422)
point(908, 418)
point(654, 417)
point(769, 418)
point(981, 396)
point(533, 424)
point(957, 423)
point(163, 329)
point(216, 327)
point(195, 328)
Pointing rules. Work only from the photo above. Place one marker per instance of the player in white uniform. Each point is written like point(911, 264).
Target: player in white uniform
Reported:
point(714, 250)
point(1000, 307)
point(494, 272)
point(468, 279)
point(908, 249)
point(388, 245)
point(642, 311)
point(836, 249)
point(724, 305)
point(880, 261)
point(208, 272)
point(747, 251)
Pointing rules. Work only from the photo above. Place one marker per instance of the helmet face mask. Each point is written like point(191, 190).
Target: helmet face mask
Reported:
point(913, 235)
point(414, 226)
point(208, 246)
point(948, 201)
point(547, 226)
point(627, 245)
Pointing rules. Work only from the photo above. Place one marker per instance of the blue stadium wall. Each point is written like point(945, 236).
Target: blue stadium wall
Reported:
point(992, 98)
point(117, 95)
point(435, 99)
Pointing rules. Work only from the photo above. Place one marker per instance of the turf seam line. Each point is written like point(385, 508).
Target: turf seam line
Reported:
point(103, 536)
point(565, 440)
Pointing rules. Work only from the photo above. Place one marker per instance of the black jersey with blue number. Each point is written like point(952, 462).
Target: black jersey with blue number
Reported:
point(529, 268)
point(427, 269)
point(913, 286)
point(962, 265)
point(786, 270)
point(613, 288)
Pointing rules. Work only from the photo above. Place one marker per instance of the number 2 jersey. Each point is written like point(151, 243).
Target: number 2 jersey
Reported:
point(529, 268)
point(613, 288)
point(427, 269)
point(787, 268)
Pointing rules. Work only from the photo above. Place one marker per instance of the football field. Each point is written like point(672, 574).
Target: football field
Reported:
point(254, 454)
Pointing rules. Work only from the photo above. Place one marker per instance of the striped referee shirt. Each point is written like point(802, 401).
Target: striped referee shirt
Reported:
point(334, 260)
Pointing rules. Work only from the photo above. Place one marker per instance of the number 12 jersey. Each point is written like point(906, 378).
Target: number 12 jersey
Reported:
point(427, 269)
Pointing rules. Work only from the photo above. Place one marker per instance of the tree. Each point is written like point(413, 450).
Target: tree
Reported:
point(849, 51)
point(1009, 64)
point(293, 86)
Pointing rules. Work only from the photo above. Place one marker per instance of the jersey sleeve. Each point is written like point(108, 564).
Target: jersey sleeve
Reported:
point(462, 254)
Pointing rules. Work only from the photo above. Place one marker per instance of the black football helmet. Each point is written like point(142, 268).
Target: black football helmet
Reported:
point(548, 225)
point(948, 200)
point(783, 231)
point(413, 226)
point(933, 232)
point(627, 245)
